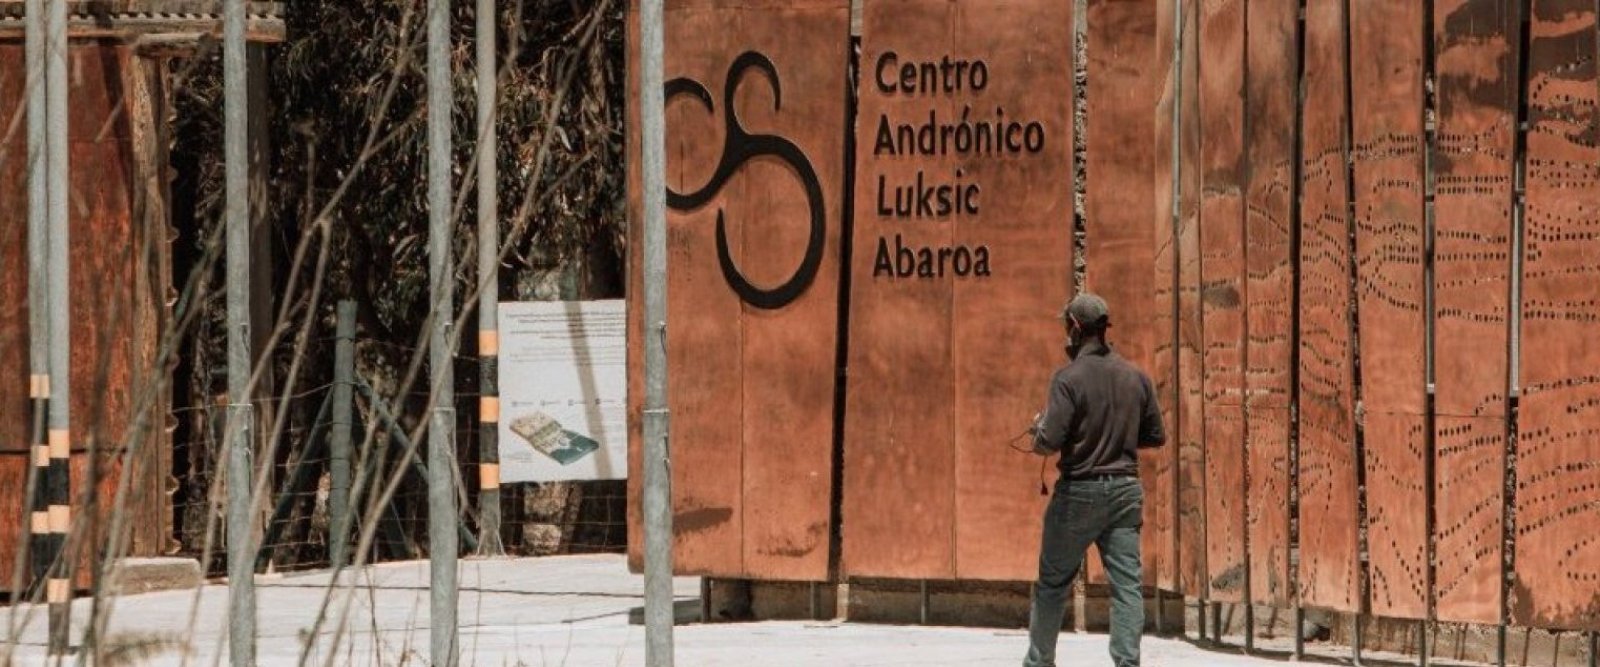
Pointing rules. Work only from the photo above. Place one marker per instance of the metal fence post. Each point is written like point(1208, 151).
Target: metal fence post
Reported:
point(239, 440)
point(657, 478)
point(489, 543)
point(38, 295)
point(344, 367)
point(59, 516)
point(443, 544)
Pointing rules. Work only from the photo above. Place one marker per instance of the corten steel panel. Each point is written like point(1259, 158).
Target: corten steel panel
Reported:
point(1267, 504)
point(707, 419)
point(899, 421)
point(1328, 570)
point(1120, 249)
point(1006, 333)
point(1469, 508)
point(14, 371)
point(1222, 242)
point(991, 338)
point(1269, 287)
point(1188, 434)
point(1558, 478)
point(748, 5)
point(1477, 71)
point(1396, 514)
point(1159, 466)
point(1388, 144)
point(90, 529)
point(1273, 62)
point(1222, 268)
point(114, 335)
point(747, 504)
point(1225, 511)
point(790, 353)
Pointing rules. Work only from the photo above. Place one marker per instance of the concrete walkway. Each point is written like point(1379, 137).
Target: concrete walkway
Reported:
point(535, 612)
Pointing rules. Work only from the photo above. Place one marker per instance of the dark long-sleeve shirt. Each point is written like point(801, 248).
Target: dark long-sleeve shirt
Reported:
point(1100, 411)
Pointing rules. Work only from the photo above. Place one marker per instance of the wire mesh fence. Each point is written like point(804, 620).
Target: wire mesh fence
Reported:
point(295, 512)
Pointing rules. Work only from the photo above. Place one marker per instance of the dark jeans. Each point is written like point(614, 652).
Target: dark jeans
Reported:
point(1108, 513)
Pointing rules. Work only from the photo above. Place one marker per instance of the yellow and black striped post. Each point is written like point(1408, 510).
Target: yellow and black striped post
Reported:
point(57, 485)
point(39, 538)
point(489, 543)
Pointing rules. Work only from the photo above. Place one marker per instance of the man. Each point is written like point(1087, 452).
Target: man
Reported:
point(1099, 412)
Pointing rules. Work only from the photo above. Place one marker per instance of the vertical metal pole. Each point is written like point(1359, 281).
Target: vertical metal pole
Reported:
point(59, 516)
point(657, 476)
point(1594, 650)
point(38, 295)
point(443, 543)
point(1161, 608)
point(923, 606)
point(239, 442)
point(1360, 637)
point(1249, 627)
point(344, 370)
point(1299, 632)
point(489, 543)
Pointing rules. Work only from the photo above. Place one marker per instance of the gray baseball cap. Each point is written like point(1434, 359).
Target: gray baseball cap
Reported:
point(1089, 310)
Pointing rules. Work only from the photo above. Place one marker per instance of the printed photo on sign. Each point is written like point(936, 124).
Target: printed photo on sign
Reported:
point(563, 386)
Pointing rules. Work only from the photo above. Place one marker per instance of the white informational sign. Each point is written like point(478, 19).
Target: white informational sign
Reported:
point(563, 391)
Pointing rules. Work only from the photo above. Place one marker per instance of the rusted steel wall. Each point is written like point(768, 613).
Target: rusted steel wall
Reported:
point(1271, 89)
point(1159, 470)
point(1006, 339)
point(1120, 251)
point(1333, 316)
point(1188, 433)
point(1557, 573)
point(1222, 294)
point(1328, 574)
point(756, 131)
point(1476, 61)
point(1386, 83)
point(119, 288)
point(947, 366)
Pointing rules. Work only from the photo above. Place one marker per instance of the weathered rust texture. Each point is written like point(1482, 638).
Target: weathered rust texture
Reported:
point(1188, 434)
point(1006, 333)
point(1328, 570)
point(1270, 85)
point(1267, 504)
point(88, 529)
point(1387, 108)
point(1121, 245)
point(1122, 94)
point(1222, 245)
point(745, 505)
point(1222, 269)
point(14, 427)
point(790, 353)
point(1469, 508)
point(1159, 467)
point(1225, 511)
point(1477, 71)
point(1557, 582)
point(116, 286)
point(1397, 514)
point(899, 423)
